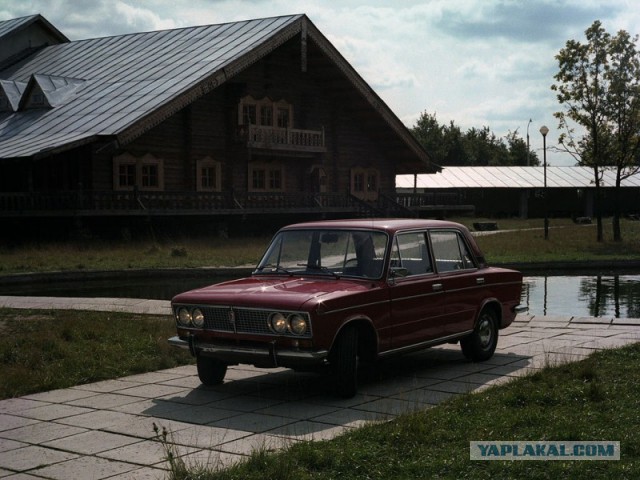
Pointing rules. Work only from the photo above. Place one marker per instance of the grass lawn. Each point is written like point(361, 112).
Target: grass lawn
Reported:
point(567, 242)
point(43, 350)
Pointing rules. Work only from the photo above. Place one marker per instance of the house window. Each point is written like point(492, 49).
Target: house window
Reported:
point(249, 115)
point(258, 179)
point(266, 177)
point(150, 176)
point(283, 117)
point(358, 182)
point(265, 112)
point(266, 115)
point(144, 173)
point(275, 180)
point(365, 183)
point(127, 175)
point(372, 182)
point(208, 175)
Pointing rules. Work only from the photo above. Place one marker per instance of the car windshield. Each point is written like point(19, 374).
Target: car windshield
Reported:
point(352, 253)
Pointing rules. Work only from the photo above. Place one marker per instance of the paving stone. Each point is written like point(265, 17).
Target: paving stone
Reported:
point(99, 467)
point(32, 456)
point(91, 442)
point(41, 432)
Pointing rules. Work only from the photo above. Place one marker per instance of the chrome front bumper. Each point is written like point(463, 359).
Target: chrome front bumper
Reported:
point(269, 355)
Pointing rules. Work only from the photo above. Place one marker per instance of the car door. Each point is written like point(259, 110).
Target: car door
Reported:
point(462, 282)
point(417, 309)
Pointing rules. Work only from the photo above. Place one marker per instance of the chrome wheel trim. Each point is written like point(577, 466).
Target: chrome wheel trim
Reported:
point(485, 332)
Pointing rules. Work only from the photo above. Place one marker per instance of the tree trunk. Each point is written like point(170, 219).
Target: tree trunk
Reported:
point(596, 204)
point(617, 233)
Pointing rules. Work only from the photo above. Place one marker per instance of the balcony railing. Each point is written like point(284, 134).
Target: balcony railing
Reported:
point(285, 139)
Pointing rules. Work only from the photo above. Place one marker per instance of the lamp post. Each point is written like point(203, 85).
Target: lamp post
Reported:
point(528, 150)
point(544, 130)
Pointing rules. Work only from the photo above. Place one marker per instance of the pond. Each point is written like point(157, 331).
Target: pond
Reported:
point(584, 295)
point(598, 295)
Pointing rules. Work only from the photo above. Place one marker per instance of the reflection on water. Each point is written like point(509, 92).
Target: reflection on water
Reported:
point(597, 295)
point(583, 296)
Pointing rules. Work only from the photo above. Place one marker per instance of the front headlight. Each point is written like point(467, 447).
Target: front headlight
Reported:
point(278, 323)
point(183, 316)
point(297, 324)
point(197, 318)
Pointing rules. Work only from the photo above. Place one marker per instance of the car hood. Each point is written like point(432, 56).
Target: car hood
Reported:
point(275, 292)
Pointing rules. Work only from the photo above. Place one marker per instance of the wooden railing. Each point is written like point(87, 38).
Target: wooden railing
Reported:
point(190, 203)
point(172, 203)
point(285, 139)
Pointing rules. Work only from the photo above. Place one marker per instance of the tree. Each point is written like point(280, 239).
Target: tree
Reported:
point(624, 112)
point(448, 145)
point(599, 87)
point(582, 92)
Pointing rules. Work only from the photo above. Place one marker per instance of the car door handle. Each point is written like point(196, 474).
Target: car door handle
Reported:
point(437, 287)
point(480, 281)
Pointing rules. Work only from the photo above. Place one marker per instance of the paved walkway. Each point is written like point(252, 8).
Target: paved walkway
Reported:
point(105, 429)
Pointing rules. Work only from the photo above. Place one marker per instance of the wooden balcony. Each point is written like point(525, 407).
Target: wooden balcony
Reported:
point(286, 139)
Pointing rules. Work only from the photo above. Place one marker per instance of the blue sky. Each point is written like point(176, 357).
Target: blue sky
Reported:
point(474, 62)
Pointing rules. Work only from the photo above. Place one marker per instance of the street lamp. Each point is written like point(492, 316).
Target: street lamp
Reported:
point(544, 130)
point(528, 151)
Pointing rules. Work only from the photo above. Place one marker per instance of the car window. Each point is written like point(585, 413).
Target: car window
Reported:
point(334, 252)
point(450, 251)
point(410, 254)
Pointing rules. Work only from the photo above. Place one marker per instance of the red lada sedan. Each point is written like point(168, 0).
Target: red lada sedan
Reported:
point(334, 293)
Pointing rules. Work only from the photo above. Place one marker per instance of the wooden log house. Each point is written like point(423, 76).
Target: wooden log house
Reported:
point(247, 118)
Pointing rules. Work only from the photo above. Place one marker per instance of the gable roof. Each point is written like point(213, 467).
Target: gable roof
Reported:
point(11, 26)
point(127, 84)
point(511, 177)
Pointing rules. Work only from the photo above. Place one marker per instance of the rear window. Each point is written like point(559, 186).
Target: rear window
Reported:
point(450, 251)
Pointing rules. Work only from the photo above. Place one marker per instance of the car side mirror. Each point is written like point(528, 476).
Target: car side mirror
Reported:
point(397, 272)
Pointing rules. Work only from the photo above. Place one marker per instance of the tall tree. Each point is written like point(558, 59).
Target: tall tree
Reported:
point(599, 87)
point(581, 90)
point(624, 112)
point(449, 145)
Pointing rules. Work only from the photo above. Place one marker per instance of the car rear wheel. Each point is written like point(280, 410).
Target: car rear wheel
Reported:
point(482, 343)
point(210, 370)
point(344, 363)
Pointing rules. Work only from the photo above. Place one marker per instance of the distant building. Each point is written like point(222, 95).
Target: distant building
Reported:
point(516, 191)
point(247, 118)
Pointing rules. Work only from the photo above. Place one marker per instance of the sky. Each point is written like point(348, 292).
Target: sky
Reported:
point(476, 63)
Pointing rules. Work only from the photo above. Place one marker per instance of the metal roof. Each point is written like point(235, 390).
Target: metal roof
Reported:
point(511, 177)
point(7, 27)
point(125, 78)
point(119, 87)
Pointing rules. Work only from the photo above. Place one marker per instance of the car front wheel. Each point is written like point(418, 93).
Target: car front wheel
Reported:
point(482, 343)
point(210, 370)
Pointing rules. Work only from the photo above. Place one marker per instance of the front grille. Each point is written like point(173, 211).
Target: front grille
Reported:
point(244, 320)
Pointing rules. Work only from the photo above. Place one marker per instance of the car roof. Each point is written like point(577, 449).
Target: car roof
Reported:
point(384, 224)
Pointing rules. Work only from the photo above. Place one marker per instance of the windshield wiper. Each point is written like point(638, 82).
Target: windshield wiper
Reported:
point(318, 267)
point(275, 268)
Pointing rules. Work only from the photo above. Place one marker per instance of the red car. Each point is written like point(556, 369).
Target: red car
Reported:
point(334, 293)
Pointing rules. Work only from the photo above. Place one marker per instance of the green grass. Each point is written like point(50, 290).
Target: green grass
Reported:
point(595, 399)
point(567, 242)
point(44, 350)
point(100, 255)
